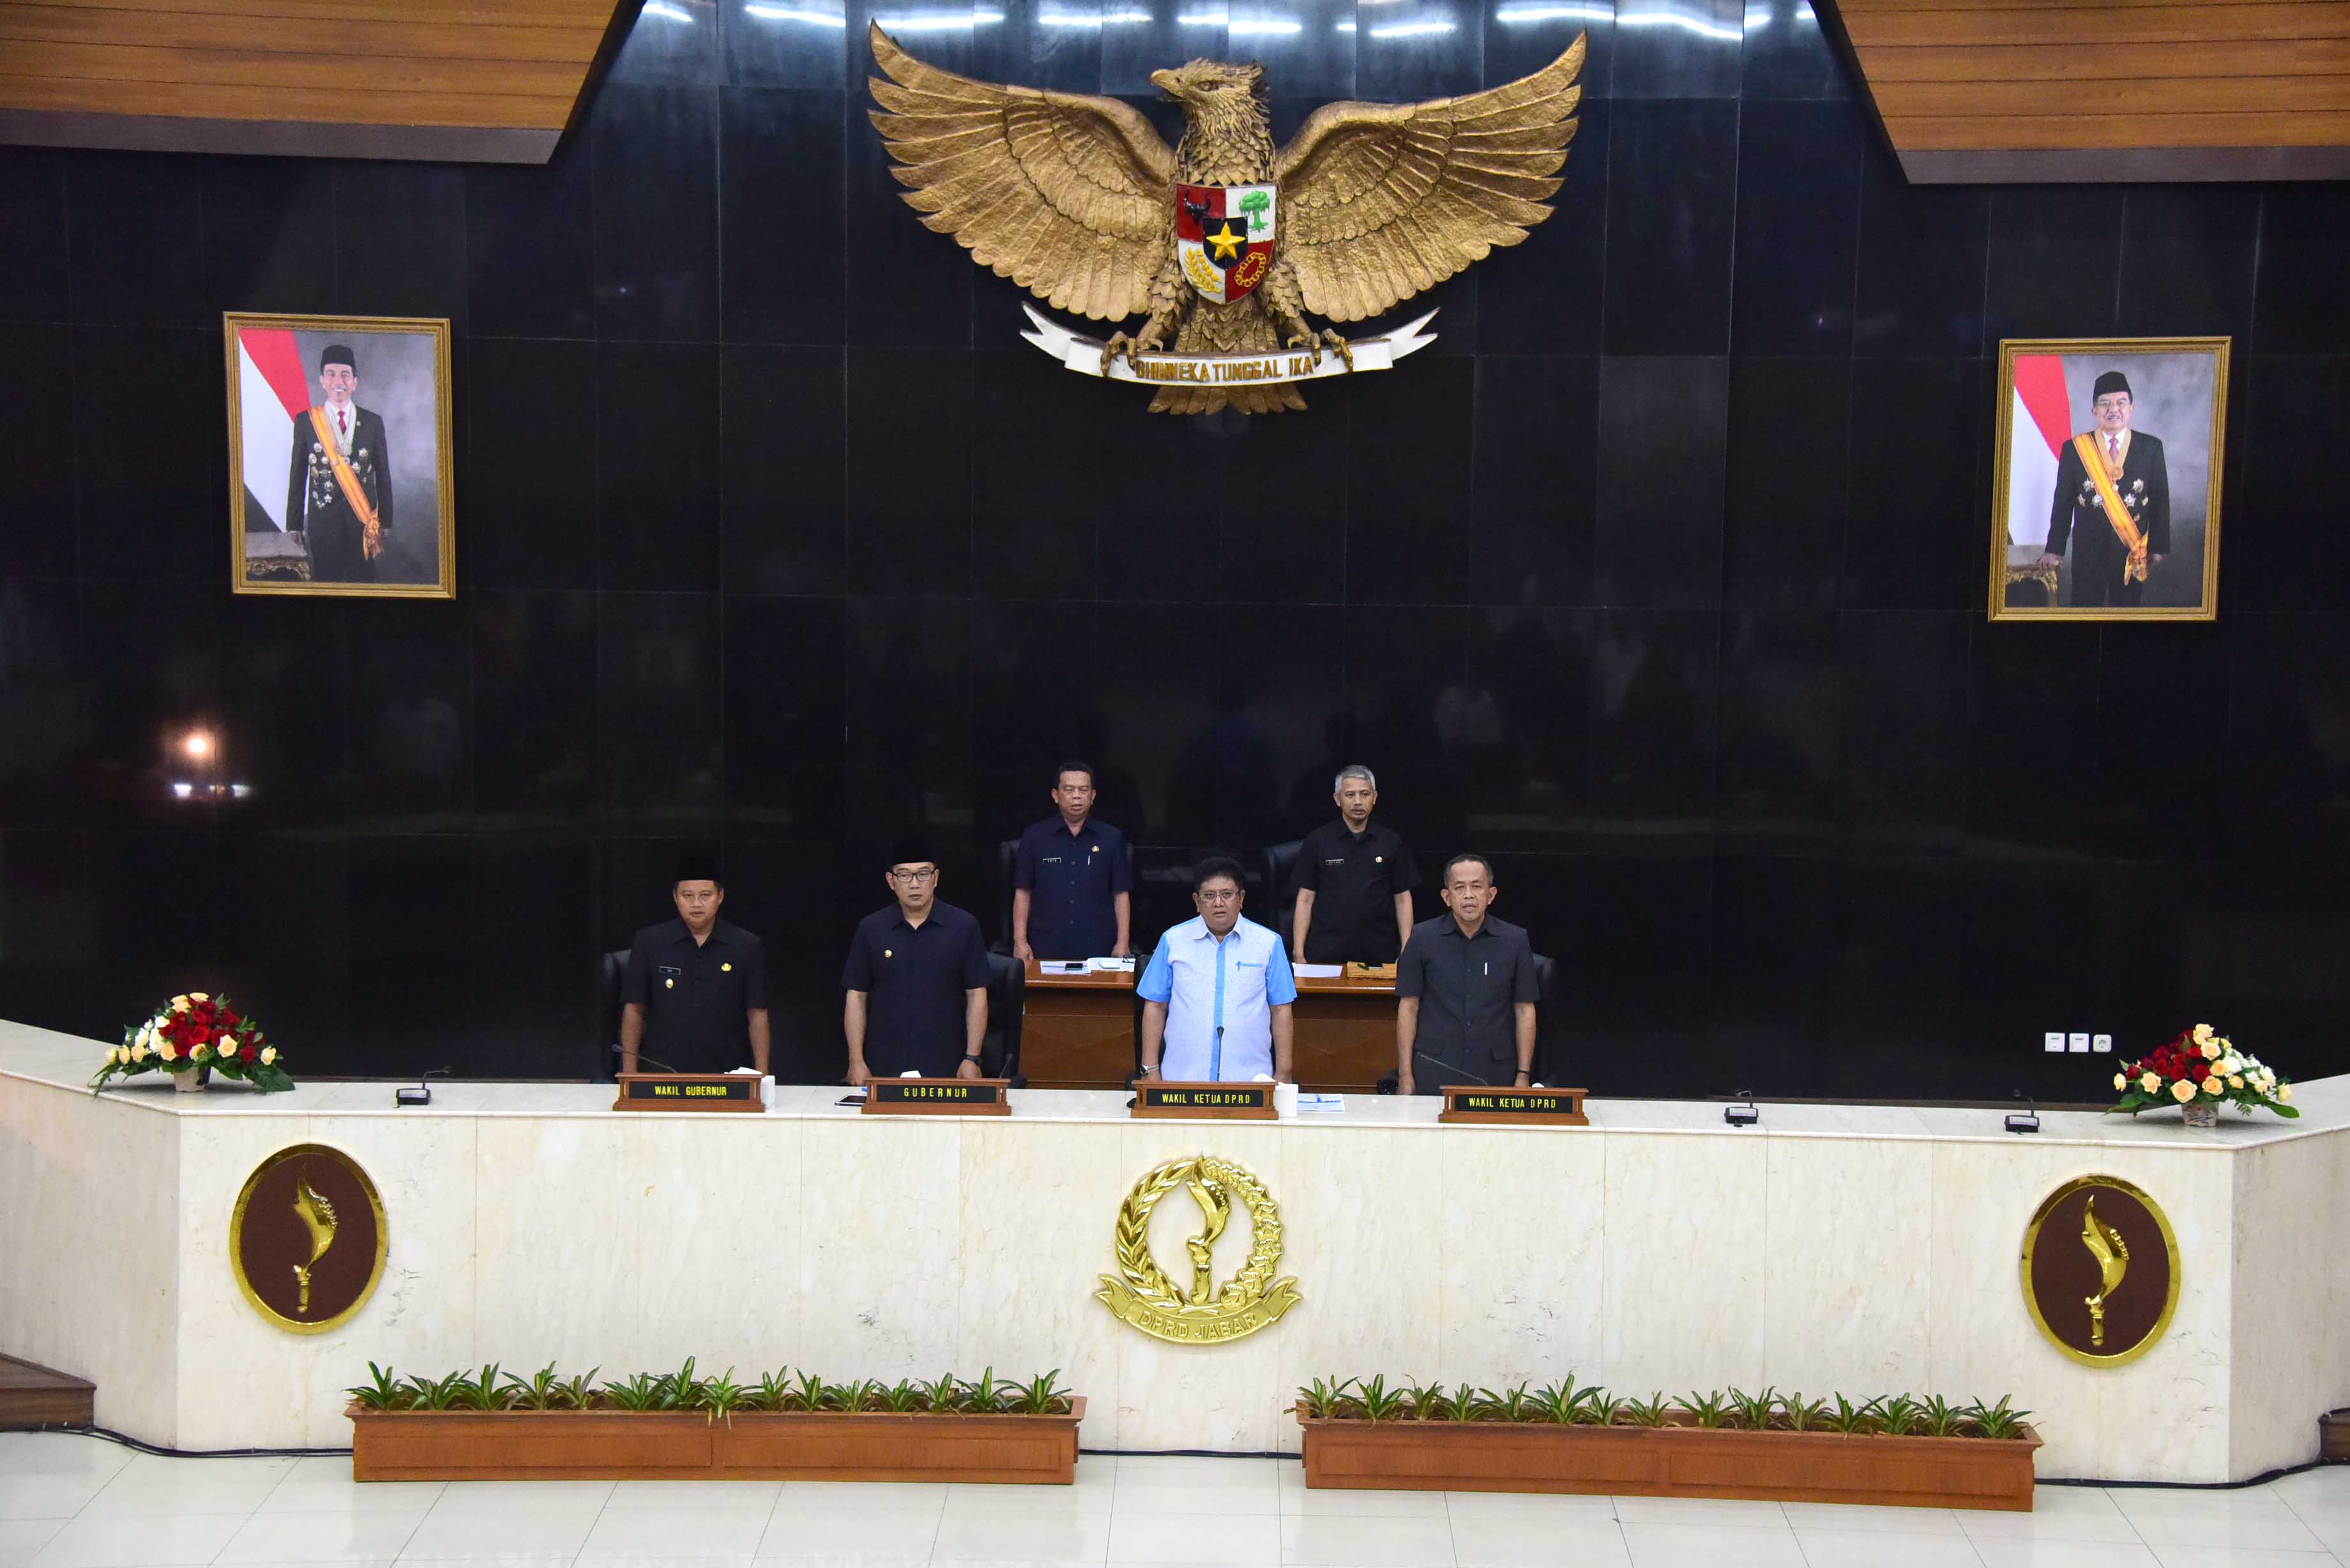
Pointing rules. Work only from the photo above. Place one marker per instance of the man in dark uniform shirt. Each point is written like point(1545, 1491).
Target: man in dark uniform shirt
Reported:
point(1465, 992)
point(2104, 570)
point(696, 993)
point(1354, 883)
point(916, 978)
point(1072, 879)
point(338, 449)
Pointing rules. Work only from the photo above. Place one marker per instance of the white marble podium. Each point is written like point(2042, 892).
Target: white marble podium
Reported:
point(1865, 1250)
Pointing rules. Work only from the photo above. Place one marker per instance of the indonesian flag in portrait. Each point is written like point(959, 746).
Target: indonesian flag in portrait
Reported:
point(271, 390)
point(2039, 424)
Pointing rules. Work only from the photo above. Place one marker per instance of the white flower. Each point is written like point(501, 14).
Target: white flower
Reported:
point(2235, 1080)
point(2182, 1091)
point(2202, 1033)
point(168, 1052)
point(2214, 1086)
point(2121, 1080)
point(2285, 1095)
point(2212, 1049)
point(2150, 1082)
point(268, 1054)
point(199, 996)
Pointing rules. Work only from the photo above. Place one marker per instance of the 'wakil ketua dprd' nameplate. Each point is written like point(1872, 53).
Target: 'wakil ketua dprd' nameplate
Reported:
point(1245, 1102)
point(1525, 1107)
point(937, 1097)
point(689, 1092)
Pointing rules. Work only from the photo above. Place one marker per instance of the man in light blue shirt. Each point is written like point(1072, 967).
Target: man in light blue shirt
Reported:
point(1217, 994)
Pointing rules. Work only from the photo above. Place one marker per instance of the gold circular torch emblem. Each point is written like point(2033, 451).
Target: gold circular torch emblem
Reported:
point(1141, 1295)
point(306, 1240)
point(2101, 1270)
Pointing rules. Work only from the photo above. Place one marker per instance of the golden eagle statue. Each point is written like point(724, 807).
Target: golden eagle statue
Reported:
point(1223, 242)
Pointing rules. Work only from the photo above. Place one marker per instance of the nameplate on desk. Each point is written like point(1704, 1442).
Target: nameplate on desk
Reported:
point(1247, 1102)
point(1528, 1108)
point(689, 1092)
point(937, 1096)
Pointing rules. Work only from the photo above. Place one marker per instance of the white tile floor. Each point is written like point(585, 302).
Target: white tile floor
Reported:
point(78, 1502)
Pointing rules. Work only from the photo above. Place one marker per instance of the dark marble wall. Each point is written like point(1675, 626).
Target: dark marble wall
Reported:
point(1658, 576)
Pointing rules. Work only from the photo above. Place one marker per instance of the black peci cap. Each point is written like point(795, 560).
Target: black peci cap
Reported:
point(912, 849)
point(2110, 382)
point(696, 868)
point(339, 354)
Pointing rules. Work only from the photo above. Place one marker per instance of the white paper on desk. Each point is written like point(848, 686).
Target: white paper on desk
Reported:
point(1321, 1105)
point(1111, 965)
point(1061, 966)
point(1317, 971)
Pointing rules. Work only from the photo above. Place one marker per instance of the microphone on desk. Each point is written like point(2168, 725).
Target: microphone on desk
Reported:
point(420, 1091)
point(648, 1060)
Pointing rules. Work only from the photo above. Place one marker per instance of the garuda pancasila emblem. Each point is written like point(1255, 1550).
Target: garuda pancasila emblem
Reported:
point(1223, 242)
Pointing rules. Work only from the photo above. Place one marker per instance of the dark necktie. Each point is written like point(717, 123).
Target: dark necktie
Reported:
point(343, 420)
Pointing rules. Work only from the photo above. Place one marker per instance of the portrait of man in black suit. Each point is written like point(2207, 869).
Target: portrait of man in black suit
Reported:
point(338, 492)
point(2111, 504)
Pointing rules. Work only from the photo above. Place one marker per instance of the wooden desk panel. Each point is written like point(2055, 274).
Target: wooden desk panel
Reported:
point(1077, 1032)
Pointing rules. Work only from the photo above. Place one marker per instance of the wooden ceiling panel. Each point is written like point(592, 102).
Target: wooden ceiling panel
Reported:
point(2110, 90)
point(494, 80)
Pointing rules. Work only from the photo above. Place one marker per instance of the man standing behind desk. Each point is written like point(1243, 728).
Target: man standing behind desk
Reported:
point(917, 981)
point(1217, 994)
point(1354, 883)
point(695, 997)
point(1072, 879)
point(1465, 992)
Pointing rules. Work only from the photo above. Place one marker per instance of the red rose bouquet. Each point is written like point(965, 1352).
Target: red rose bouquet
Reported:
point(192, 1032)
point(2202, 1066)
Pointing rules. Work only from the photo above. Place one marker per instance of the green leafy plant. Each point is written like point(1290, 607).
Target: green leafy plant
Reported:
point(852, 1397)
point(901, 1397)
point(1897, 1415)
point(1381, 1403)
point(642, 1392)
point(1711, 1409)
point(482, 1393)
point(1848, 1417)
point(1501, 1403)
point(540, 1391)
point(1998, 1420)
point(982, 1396)
point(1802, 1415)
point(382, 1391)
point(806, 1393)
point(773, 1390)
point(430, 1394)
point(1648, 1412)
point(1938, 1418)
point(1040, 1395)
point(1433, 1402)
point(680, 1390)
point(1564, 1403)
point(942, 1395)
point(1754, 1411)
point(1325, 1400)
point(578, 1391)
point(721, 1396)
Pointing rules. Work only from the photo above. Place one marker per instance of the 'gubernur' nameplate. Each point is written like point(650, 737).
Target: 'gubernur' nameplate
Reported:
point(1527, 1107)
point(689, 1092)
point(1243, 1102)
point(937, 1097)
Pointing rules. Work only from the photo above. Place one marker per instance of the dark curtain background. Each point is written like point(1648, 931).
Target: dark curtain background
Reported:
point(1659, 576)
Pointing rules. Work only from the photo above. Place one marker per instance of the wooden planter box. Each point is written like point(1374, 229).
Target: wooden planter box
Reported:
point(624, 1445)
point(1670, 1461)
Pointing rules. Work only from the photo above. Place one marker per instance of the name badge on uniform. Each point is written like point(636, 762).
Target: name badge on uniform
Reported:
point(668, 974)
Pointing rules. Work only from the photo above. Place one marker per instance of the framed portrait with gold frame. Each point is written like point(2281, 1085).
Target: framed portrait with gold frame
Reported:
point(2105, 496)
point(339, 479)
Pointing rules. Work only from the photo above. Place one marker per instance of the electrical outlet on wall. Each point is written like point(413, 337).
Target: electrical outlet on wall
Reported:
point(2052, 1041)
point(2100, 1042)
point(2081, 1043)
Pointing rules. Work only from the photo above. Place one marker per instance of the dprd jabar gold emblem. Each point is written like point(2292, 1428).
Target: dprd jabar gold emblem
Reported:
point(2101, 1270)
point(1141, 1295)
point(306, 1240)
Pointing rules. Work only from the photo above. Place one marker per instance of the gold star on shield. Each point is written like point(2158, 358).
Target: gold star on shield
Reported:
point(1227, 244)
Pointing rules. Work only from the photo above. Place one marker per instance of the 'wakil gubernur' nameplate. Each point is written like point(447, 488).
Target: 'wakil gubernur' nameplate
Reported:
point(1246, 1102)
point(938, 1097)
point(689, 1092)
point(1527, 1107)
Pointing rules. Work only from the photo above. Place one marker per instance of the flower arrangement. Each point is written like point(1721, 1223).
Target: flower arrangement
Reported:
point(2200, 1065)
point(194, 1031)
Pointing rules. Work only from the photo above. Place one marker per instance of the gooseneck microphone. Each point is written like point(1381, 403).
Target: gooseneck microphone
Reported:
point(622, 1050)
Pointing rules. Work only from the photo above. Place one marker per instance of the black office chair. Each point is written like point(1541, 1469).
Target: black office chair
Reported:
point(1007, 995)
point(1281, 886)
point(611, 976)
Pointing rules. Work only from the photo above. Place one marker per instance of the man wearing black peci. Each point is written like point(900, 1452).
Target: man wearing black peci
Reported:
point(338, 488)
point(2112, 502)
point(1465, 992)
point(916, 979)
point(695, 998)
